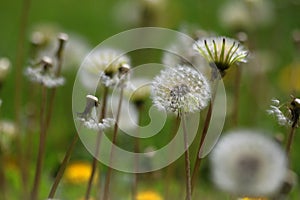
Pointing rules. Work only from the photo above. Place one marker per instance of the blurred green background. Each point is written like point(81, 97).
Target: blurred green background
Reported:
point(267, 75)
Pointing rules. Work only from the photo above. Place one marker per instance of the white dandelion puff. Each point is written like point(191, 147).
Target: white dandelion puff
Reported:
point(104, 62)
point(181, 89)
point(248, 163)
point(221, 52)
point(43, 75)
point(93, 124)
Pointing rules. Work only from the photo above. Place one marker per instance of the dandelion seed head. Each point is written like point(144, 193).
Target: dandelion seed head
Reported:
point(248, 163)
point(105, 63)
point(221, 51)
point(181, 89)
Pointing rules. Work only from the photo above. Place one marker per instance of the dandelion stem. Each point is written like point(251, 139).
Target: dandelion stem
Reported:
point(18, 89)
point(290, 139)
point(187, 161)
point(203, 136)
point(114, 140)
point(42, 145)
point(2, 177)
point(98, 141)
point(170, 168)
point(236, 96)
point(63, 165)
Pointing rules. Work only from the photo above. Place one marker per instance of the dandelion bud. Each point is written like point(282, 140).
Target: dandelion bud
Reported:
point(124, 69)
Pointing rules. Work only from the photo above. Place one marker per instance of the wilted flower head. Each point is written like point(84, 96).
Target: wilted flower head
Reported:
point(247, 163)
point(44, 74)
point(4, 68)
point(89, 117)
point(103, 63)
point(181, 89)
point(293, 116)
point(221, 52)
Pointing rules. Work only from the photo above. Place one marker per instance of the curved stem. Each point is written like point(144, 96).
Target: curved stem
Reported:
point(63, 165)
point(114, 139)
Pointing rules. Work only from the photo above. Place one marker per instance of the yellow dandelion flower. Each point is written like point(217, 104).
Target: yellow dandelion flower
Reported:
point(249, 198)
point(149, 195)
point(288, 78)
point(78, 172)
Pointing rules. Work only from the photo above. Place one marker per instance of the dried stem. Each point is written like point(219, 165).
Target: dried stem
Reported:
point(114, 139)
point(98, 141)
point(42, 145)
point(187, 161)
point(63, 165)
point(290, 139)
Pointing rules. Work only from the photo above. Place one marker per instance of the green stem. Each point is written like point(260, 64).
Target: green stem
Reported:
point(290, 140)
point(236, 96)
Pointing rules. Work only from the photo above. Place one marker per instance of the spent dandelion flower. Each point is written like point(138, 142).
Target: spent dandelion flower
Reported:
point(44, 74)
point(89, 117)
point(248, 163)
point(181, 89)
point(103, 63)
point(221, 52)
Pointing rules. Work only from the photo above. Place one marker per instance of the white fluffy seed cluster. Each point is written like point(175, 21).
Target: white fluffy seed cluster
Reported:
point(247, 163)
point(275, 111)
point(92, 124)
point(36, 75)
point(222, 51)
point(181, 89)
point(105, 63)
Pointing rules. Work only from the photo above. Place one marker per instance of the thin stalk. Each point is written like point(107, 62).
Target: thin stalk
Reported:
point(63, 165)
point(236, 95)
point(2, 175)
point(187, 161)
point(202, 139)
point(59, 58)
point(42, 145)
point(170, 168)
point(290, 140)
point(114, 139)
point(137, 150)
point(18, 90)
point(98, 141)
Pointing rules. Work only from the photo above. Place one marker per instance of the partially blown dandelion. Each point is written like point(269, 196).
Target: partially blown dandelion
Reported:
point(247, 163)
point(221, 52)
point(44, 74)
point(104, 63)
point(181, 89)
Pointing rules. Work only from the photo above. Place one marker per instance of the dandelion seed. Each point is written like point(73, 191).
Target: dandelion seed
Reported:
point(247, 163)
point(44, 74)
point(221, 52)
point(104, 63)
point(181, 89)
